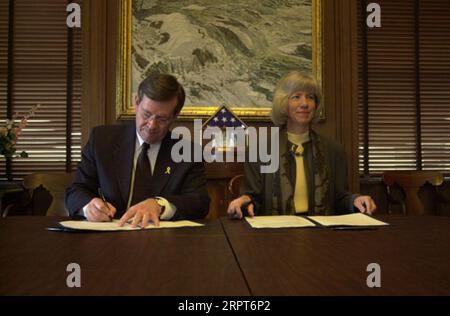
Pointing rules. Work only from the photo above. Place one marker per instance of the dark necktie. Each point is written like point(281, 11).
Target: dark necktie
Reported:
point(142, 177)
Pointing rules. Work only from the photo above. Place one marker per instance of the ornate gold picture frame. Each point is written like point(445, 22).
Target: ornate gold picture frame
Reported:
point(128, 55)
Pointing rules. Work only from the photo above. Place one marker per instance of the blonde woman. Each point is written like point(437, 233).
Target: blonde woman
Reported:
point(312, 177)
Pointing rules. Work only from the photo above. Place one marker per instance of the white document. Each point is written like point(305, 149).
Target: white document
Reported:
point(114, 225)
point(356, 219)
point(284, 221)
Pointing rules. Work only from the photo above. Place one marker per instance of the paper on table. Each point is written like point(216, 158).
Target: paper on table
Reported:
point(113, 226)
point(356, 219)
point(284, 221)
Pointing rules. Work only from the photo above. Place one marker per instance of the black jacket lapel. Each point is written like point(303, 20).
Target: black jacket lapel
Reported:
point(123, 160)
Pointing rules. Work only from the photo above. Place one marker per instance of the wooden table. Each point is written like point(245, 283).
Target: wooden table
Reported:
point(413, 254)
point(227, 258)
point(185, 261)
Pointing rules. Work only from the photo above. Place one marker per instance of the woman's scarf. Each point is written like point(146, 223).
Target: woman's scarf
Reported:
point(284, 186)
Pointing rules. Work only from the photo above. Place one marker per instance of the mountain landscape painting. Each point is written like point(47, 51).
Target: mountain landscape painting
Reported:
point(229, 52)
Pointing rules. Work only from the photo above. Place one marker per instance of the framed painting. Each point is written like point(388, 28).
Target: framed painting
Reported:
point(224, 53)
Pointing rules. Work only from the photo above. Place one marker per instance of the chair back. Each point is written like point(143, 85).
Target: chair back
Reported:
point(411, 182)
point(48, 191)
point(235, 185)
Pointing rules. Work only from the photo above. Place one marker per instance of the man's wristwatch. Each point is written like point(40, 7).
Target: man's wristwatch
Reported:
point(163, 207)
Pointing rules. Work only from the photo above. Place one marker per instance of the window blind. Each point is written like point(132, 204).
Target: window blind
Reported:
point(434, 41)
point(404, 87)
point(46, 69)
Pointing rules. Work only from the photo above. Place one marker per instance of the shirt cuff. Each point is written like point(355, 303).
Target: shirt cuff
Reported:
point(84, 210)
point(169, 208)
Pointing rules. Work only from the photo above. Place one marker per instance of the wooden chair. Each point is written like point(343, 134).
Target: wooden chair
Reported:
point(47, 192)
point(235, 185)
point(410, 182)
point(443, 197)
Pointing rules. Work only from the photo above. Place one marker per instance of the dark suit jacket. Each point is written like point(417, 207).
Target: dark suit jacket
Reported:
point(264, 188)
point(107, 163)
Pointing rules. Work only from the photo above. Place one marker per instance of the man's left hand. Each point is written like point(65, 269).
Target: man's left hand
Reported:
point(142, 213)
point(365, 204)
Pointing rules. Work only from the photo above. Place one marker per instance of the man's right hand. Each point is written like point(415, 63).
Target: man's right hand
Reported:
point(235, 208)
point(97, 211)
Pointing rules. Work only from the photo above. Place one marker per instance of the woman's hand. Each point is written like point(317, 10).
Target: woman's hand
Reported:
point(235, 208)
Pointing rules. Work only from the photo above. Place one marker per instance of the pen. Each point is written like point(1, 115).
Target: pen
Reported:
point(63, 229)
point(354, 228)
point(365, 208)
point(57, 229)
point(100, 192)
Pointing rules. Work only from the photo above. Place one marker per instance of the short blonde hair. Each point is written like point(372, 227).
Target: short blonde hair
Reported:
point(289, 84)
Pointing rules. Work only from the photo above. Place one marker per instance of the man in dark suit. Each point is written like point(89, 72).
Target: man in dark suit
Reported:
point(131, 165)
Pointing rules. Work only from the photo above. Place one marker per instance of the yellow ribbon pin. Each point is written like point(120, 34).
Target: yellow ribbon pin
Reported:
point(168, 170)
